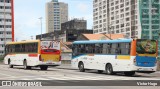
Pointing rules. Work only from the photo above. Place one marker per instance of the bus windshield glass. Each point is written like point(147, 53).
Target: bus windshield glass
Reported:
point(146, 46)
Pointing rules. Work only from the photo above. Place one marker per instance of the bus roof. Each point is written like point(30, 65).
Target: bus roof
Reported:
point(102, 41)
point(21, 42)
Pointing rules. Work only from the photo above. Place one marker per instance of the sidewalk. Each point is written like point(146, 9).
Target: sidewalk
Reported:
point(1, 62)
point(66, 66)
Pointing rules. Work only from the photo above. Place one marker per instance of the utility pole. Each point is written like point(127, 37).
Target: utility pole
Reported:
point(41, 26)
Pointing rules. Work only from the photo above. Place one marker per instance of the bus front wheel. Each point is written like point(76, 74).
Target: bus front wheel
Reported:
point(109, 69)
point(9, 63)
point(81, 67)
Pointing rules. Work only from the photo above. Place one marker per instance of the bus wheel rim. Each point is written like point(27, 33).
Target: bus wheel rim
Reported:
point(81, 67)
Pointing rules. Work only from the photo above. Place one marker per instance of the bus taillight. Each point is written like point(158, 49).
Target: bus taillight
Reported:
point(59, 58)
point(40, 58)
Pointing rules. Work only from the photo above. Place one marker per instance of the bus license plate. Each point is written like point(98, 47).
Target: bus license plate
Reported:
point(49, 62)
point(145, 63)
point(145, 69)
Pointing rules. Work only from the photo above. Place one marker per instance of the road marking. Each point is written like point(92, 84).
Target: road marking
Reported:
point(26, 79)
point(42, 79)
point(7, 75)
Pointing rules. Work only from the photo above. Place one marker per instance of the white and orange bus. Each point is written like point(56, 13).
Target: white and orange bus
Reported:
point(42, 53)
point(112, 56)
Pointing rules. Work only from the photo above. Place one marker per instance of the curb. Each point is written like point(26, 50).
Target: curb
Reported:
point(1, 62)
point(66, 68)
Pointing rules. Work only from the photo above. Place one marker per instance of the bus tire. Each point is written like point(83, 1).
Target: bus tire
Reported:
point(81, 67)
point(25, 65)
point(129, 73)
point(43, 67)
point(109, 69)
point(9, 63)
point(100, 71)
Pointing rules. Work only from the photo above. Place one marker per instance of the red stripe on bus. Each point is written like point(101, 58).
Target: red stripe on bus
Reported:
point(33, 55)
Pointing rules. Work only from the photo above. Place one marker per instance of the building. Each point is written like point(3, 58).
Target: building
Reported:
point(74, 24)
point(135, 18)
point(6, 23)
point(69, 32)
point(56, 35)
point(75, 28)
point(56, 13)
point(73, 34)
point(100, 36)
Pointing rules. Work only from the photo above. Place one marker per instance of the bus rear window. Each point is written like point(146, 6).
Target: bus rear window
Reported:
point(146, 46)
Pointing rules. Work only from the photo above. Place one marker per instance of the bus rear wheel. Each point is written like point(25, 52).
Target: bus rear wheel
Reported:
point(9, 63)
point(129, 73)
point(25, 65)
point(43, 67)
point(81, 67)
point(109, 69)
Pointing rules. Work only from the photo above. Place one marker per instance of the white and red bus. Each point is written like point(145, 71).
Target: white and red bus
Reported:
point(42, 53)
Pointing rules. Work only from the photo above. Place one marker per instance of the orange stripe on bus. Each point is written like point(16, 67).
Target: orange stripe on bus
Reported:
point(33, 55)
point(133, 48)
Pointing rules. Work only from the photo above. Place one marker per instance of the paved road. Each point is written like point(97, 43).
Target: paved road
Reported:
point(64, 72)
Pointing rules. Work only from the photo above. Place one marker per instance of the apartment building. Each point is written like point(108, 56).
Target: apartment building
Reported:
point(134, 18)
point(6, 23)
point(56, 13)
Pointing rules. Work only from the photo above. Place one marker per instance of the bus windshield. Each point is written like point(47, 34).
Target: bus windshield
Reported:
point(146, 46)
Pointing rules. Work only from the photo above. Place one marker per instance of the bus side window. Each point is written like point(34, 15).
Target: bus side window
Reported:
point(6, 49)
point(105, 49)
point(36, 47)
point(113, 48)
point(75, 50)
point(98, 48)
point(125, 48)
point(82, 48)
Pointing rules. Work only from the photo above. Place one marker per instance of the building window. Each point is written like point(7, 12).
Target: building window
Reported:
point(127, 29)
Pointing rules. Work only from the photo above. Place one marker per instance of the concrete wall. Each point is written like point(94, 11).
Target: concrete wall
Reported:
point(66, 58)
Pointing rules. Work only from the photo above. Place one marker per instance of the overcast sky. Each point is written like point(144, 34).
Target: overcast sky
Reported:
point(27, 13)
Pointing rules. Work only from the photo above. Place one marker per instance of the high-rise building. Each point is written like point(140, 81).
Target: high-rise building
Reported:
point(6, 23)
point(56, 13)
point(134, 18)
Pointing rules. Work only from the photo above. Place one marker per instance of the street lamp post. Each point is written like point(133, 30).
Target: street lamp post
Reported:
point(41, 26)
